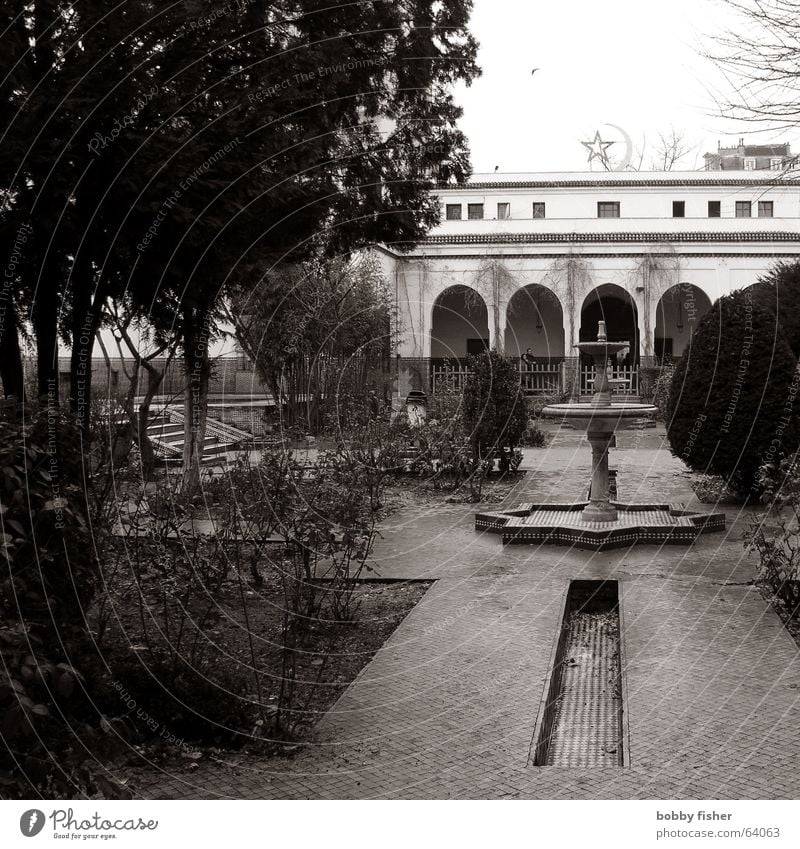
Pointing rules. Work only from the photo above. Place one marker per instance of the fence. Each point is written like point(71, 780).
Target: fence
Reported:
point(628, 374)
point(543, 378)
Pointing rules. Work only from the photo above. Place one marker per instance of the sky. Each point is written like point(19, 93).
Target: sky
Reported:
point(615, 66)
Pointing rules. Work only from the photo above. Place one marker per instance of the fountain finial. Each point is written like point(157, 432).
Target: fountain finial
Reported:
point(601, 331)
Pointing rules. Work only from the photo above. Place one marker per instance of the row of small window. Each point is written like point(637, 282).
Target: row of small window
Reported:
point(609, 209)
point(454, 211)
point(744, 209)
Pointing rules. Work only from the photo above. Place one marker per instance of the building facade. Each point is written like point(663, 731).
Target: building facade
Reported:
point(531, 262)
point(750, 157)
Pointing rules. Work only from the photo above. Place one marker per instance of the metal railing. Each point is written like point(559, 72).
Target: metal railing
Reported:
point(543, 378)
point(629, 374)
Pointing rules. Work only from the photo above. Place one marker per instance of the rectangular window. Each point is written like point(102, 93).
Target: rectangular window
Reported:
point(714, 209)
point(765, 209)
point(678, 208)
point(453, 212)
point(743, 209)
point(749, 163)
point(608, 209)
point(776, 164)
point(538, 210)
point(503, 211)
point(474, 211)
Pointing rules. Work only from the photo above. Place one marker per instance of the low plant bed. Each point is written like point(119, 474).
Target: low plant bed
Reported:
point(780, 606)
point(217, 680)
point(406, 491)
point(712, 489)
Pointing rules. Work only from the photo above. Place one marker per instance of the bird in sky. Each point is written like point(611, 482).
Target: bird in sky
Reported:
point(534, 71)
point(496, 168)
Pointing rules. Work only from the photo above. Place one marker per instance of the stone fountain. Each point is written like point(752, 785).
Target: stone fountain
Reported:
point(599, 523)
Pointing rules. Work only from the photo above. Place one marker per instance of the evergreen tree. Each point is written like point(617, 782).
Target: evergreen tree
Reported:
point(161, 153)
point(732, 405)
point(495, 414)
point(779, 291)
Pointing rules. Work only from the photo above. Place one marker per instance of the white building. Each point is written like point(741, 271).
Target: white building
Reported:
point(535, 260)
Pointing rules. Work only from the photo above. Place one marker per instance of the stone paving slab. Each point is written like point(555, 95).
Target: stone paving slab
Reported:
point(447, 708)
point(441, 541)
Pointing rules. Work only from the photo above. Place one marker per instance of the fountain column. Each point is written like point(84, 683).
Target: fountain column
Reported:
point(599, 508)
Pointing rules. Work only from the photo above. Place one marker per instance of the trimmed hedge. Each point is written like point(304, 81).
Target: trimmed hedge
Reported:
point(731, 406)
point(779, 292)
point(495, 413)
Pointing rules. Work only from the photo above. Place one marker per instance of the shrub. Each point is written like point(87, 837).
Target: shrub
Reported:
point(495, 414)
point(779, 292)
point(660, 389)
point(47, 582)
point(778, 544)
point(731, 399)
point(533, 437)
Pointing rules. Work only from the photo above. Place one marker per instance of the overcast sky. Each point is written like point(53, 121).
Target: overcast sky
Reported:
point(635, 64)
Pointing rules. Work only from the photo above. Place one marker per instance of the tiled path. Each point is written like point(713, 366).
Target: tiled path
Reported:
point(447, 707)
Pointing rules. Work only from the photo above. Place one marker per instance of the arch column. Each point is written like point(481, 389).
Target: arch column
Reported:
point(646, 321)
point(571, 370)
point(497, 326)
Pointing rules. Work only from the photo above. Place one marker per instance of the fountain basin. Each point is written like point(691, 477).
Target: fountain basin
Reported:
point(566, 524)
point(599, 418)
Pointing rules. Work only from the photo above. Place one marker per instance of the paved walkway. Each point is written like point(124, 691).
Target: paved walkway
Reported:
point(447, 707)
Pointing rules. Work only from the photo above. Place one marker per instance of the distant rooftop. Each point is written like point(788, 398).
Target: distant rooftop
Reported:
point(543, 179)
point(750, 157)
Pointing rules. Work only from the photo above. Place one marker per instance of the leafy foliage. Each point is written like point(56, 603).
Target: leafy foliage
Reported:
point(48, 580)
point(731, 404)
point(775, 537)
point(318, 333)
point(495, 413)
point(170, 154)
point(779, 292)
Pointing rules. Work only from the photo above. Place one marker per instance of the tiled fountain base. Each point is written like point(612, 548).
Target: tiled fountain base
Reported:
point(562, 524)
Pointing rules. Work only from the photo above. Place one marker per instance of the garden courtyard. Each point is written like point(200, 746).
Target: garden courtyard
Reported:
point(448, 706)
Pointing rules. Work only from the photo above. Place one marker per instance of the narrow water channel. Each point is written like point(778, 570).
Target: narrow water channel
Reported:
point(582, 723)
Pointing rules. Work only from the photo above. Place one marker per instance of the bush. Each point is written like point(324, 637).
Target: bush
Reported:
point(779, 292)
point(495, 413)
point(534, 438)
point(731, 399)
point(47, 720)
point(778, 544)
point(660, 390)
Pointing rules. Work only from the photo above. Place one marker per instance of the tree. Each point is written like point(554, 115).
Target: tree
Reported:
point(316, 332)
point(731, 407)
point(779, 291)
point(760, 62)
point(668, 152)
point(494, 411)
point(145, 353)
point(164, 155)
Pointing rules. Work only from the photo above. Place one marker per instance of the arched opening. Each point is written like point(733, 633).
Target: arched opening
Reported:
point(459, 324)
point(679, 311)
point(534, 320)
point(613, 305)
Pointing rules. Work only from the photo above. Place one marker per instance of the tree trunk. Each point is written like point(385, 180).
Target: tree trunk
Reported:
point(146, 451)
point(85, 324)
point(11, 371)
point(195, 409)
point(45, 328)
